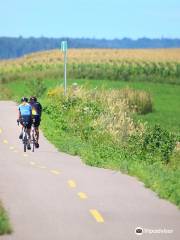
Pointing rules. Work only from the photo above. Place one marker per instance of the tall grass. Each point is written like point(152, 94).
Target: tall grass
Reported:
point(116, 104)
point(138, 100)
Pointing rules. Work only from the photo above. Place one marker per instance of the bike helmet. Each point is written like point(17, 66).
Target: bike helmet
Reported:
point(33, 98)
point(24, 99)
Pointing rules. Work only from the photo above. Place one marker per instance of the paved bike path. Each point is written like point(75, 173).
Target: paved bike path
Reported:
point(51, 195)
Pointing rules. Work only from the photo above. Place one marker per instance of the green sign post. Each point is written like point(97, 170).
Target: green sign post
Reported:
point(64, 49)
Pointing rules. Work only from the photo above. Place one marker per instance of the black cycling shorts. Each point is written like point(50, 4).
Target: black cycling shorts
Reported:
point(36, 120)
point(26, 121)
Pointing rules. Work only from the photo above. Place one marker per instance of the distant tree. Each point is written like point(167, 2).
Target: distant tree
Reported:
point(16, 47)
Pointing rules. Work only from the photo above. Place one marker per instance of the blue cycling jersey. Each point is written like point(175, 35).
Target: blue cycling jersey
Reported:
point(25, 109)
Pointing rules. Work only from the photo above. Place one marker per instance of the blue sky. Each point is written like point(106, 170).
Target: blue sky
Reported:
point(90, 18)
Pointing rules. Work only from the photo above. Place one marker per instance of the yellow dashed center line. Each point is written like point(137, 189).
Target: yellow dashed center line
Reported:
point(42, 167)
point(72, 183)
point(55, 172)
point(97, 216)
point(82, 195)
point(32, 163)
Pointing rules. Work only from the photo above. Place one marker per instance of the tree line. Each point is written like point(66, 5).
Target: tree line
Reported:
point(12, 47)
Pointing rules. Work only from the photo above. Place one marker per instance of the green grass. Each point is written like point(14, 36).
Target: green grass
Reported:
point(166, 98)
point(166, 101)
point(5, 227)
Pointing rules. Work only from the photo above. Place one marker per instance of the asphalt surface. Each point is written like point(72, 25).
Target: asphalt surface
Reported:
point(50, 195)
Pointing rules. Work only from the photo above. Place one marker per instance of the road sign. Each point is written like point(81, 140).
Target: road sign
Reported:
point(64, 49)
point(64, 46)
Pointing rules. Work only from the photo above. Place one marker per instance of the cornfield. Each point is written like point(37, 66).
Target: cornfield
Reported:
point(157, 65)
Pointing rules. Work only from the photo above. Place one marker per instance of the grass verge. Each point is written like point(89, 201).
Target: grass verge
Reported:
point(148, 155)
point(5, 227)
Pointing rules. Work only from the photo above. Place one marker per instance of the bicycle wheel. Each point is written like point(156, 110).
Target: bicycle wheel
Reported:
point(33, 139)
point(33, 143)
point(25, 142)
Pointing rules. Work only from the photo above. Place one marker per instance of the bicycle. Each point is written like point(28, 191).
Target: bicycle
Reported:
point(25, 138)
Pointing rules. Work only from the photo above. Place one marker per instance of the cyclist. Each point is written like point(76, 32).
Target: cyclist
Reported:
point(25, 116)
point(36, 116)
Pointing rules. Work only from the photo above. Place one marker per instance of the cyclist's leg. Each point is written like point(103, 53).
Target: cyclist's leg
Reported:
point(29, 139)
point(21, 134)
point(36, 133)
point(22, 128)
point(36, 127)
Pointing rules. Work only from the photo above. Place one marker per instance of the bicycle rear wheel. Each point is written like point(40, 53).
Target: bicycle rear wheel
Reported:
point(33, 141)
point(25, 140)
point(33, 144)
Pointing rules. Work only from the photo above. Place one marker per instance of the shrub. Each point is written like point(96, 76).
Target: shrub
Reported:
point(159, 141)
point(36, 87)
